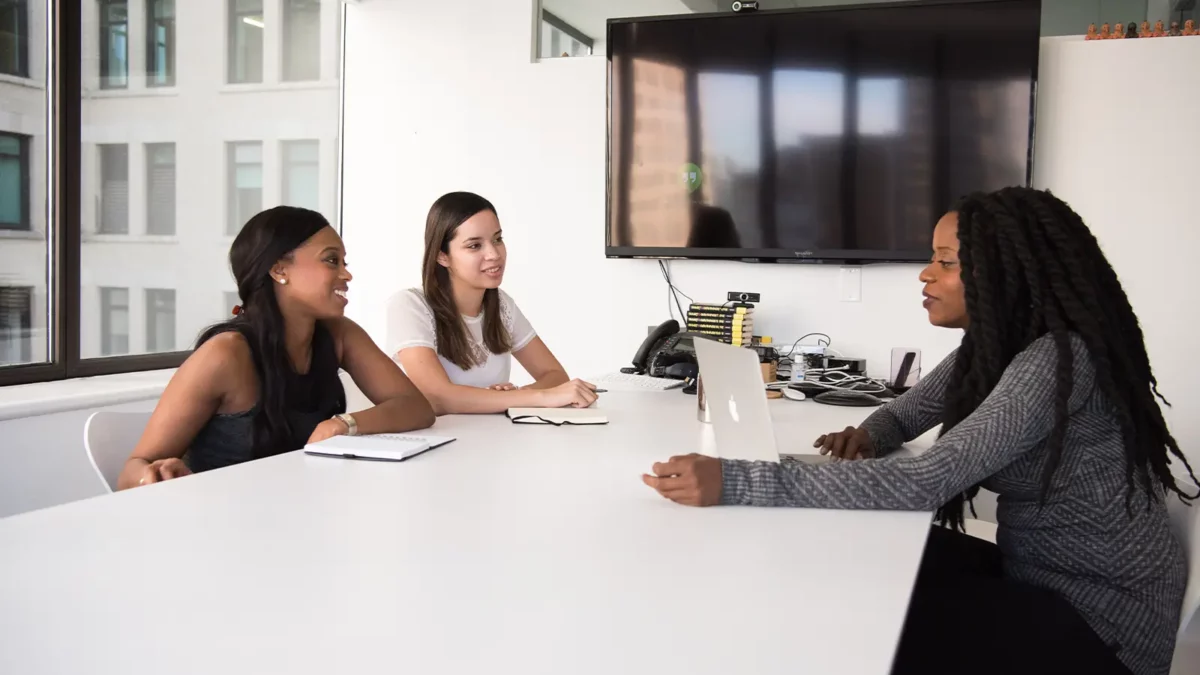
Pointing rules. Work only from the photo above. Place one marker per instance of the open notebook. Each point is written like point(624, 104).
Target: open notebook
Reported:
point(557, 416)
point(384, 447)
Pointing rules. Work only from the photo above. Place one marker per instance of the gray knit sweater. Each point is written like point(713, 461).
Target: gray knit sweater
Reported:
point(1123, 571)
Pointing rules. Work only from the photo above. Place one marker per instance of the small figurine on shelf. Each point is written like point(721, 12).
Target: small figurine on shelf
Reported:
point(1091, 34)
point(1104, 32)
point(1131, 32)
point(1189, 27)
point(1174, 32)
point(1117, 33)
point(1159, 31)
point(1145, 32)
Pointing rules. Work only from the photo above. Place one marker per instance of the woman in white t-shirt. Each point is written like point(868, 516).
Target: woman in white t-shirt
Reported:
point(456, 337)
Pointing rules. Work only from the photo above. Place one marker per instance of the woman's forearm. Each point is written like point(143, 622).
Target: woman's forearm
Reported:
point(457, 399)
point(403, 413)
point(550, 380)
point(131, 473)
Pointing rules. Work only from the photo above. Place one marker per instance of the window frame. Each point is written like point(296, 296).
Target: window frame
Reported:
point(21, 7)
point(287, 35)
point(151, 165)
point(233, 217)
point(567, 29)
point(25, 221)
point(152, 23)
point(106, 308)
point(64, 215)
point(26, 344)
point(235, 16)
point(105, 53)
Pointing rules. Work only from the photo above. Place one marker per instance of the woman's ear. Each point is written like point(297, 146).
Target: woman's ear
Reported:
point(443, 260)
point(279, 273)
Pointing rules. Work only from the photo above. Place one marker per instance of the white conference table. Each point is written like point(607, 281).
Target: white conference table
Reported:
point(515, 549)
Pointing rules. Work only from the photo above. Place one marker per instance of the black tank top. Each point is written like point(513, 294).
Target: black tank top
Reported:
point(310, 399)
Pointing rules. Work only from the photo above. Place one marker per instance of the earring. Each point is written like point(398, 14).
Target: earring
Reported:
point(283, 282)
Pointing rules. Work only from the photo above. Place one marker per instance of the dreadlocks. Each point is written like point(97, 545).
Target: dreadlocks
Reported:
point(1030, 267)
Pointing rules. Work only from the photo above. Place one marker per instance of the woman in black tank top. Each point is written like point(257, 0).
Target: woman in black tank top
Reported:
point(266, 381)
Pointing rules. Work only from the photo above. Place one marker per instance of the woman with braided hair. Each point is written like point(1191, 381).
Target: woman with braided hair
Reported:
point(1051, 403)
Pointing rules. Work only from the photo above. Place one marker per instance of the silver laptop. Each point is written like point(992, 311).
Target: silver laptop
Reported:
point(737, 400)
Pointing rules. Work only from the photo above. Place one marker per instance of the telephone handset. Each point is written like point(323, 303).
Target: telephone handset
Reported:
point(659, 335)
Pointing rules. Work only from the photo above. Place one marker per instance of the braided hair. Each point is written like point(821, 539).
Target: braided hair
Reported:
point(1030, 267)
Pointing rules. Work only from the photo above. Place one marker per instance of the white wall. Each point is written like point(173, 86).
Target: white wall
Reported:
point(531, 137)
point(43, 462)
point(1130, 168)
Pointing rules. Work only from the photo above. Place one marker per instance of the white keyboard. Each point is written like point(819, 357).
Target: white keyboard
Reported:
point(628, 382)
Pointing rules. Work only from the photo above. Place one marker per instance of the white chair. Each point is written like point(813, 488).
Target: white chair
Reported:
point(109, 437)
point(1185, 523)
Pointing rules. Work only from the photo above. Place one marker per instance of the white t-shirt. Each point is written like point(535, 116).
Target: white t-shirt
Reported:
point(410, 324)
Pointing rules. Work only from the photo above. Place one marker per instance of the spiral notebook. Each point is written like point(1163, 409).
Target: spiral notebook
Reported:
point(379, 447)
point(557, 416)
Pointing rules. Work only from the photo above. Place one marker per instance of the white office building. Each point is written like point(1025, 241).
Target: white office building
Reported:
point(195, 116)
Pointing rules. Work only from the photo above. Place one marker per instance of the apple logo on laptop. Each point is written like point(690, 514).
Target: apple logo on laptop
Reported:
point(733, 410)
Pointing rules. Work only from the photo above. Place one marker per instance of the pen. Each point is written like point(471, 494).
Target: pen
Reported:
point(600, 391)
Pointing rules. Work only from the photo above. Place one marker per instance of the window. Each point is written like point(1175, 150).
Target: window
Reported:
point(14, 37)
point(114, 189)
point(114, 321)
point(301, 174)
point(14, 182)
point(138, 187)
point(301, 40)
point(114, 44)
point(160, 43)
point(559, 38)
point(245, 41)
point(160, 188)
point(16, 325)
point(160, 320)
point(245, 184)
point(232, 299)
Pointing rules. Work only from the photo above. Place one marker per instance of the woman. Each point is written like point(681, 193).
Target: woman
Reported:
point(266, 381)
point(1049, 402)
point(457, 337)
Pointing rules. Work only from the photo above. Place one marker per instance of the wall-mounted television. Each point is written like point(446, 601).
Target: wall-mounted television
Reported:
point(836, 134)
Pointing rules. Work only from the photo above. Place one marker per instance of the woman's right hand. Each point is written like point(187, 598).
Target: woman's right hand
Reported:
point(576, 394)
point(852, 443)
point(163, 469)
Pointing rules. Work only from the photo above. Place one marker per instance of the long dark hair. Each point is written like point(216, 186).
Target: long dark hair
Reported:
point(267, 238)
point(445, 216)
point(1030, 267)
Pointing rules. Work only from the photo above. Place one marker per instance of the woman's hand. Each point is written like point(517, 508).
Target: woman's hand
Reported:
point(851, 443)
point(164, 469)
point(576, 394)
point(328, 429)
point(692, 480)
point(507, 386)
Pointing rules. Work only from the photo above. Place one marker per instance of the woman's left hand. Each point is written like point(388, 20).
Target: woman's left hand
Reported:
point(507, 386)
point(692, 480)
point(328, 429)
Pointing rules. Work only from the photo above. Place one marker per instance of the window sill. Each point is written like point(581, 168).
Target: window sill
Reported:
point(97, 238)
point(140, 92)
point(258, 87)
point(43, 398)
point(22, 82)
point(30, 235)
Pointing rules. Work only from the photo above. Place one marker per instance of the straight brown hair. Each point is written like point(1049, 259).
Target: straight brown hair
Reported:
point(453, 344)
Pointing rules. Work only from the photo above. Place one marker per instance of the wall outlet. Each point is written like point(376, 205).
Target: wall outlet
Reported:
point(851, 282)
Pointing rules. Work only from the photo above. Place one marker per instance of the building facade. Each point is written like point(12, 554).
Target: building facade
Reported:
point(195, 116)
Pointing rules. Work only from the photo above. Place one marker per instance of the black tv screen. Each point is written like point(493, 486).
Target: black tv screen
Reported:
point(831, 134)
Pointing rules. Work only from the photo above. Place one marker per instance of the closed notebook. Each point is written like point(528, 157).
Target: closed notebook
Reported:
point(557, 416)
point(384, 447)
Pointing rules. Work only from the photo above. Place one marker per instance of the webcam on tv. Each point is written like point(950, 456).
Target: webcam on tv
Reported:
point(739, 6)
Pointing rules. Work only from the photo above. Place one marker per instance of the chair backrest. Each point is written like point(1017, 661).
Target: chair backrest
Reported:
point(109, 437)
point(1185, 523)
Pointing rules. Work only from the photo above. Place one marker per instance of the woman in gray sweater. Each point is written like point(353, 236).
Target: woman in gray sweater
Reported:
point(1051, 403)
